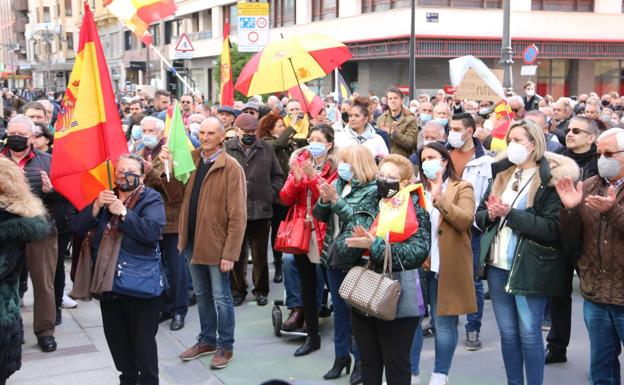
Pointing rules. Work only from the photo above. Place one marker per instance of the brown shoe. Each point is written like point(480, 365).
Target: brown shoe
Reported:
point(295, 320)
point(221, 359)
point(197, 350)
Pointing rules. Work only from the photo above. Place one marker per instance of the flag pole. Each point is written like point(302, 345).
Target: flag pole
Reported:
point(162, 58)
point(108, 171)
point(305, 103)
point(167, 173)
point(336, 90)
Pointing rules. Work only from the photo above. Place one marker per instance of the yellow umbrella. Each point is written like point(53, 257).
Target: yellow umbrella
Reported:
point(289, 62)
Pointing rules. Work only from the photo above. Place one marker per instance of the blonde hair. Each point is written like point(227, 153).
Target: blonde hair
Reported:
point(15, 194)
point(406, 167)
point(361, 160)
point(535, 135)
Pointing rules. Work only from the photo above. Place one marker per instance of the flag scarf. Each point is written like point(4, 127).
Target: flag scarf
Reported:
point(92, 134)
point(310, 102)
point(397, 216)
point(178, 144)
point(227, 87)
point(137, 15)
point(504, 114)
point(342, 89)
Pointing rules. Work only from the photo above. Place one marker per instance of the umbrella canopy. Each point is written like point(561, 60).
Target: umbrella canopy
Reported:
point(289, 62)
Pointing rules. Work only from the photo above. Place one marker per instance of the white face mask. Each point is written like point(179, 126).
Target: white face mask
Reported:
point(517, 153)
point(413, 109)
point(488, 125)
point(455, 139)
point(530, 92)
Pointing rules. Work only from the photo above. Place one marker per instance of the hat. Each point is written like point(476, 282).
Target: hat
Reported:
point(251, 106)
point(246, 122)
point(227, 109)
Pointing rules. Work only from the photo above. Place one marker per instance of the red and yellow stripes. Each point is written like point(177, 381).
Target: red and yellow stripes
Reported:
point(137, 15)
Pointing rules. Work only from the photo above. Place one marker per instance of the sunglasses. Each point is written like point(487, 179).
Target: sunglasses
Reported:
point(515, 110)
point(185, 102)
point(516, 183)
point(607, 154)
point(577, 131)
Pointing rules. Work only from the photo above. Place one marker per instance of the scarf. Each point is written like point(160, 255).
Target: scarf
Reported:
point(397, 219)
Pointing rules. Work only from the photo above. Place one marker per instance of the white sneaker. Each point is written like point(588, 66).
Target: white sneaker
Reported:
point(415, 380)
point(438, 379)
point(68, 302)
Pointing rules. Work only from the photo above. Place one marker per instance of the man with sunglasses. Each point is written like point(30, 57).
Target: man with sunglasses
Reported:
point(581, 147)
point(517, 106)
point(186, 107)
point(593, 212)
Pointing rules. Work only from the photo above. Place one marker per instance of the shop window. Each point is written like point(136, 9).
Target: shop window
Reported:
point(462, 3)
point(563, 5)
point(282, 12)
point(609, 76)
point(552, 78)
point(324, 9)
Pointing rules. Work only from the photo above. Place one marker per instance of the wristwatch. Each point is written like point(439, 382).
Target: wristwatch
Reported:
point(123, 214)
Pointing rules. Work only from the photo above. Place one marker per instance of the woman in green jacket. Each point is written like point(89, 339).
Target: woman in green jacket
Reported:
point(520, 250)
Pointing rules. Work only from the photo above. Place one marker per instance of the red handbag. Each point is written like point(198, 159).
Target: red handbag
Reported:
point(293, 234)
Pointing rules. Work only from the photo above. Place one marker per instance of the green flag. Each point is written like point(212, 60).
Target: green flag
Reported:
point(180, 147)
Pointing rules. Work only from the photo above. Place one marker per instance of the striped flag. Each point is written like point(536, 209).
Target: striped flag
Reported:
point(310, 102)
point(91, 133)
point(504, 115)
point(342, 89)
point(137, 15)
point(227, 88)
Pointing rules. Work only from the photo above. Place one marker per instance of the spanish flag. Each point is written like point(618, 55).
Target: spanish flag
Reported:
point(310, 102)
point(227, 88)
point(137, 15)
point(503, 115)
point(93, 132)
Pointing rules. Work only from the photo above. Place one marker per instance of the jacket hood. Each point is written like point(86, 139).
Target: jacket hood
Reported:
point(368, 133)
point(555, 168)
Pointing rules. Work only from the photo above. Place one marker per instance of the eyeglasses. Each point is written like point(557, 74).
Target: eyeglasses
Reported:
point(607, 154)
point(185, 102)
point(310, 140)
point(515, 110)
point(250, 112)
point(577, 131)
point(516, 183)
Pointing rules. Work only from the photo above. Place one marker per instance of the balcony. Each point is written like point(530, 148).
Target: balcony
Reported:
point(194, 36)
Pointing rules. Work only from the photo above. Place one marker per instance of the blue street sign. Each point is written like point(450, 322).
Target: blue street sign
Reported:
point(529, 56)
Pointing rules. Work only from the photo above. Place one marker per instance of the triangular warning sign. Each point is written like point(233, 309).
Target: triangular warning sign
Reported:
point(184, 44)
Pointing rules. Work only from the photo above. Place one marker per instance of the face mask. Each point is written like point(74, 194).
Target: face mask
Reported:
point(317, 149)
point(605, 118)
point(516, 153)
point(425, 118)
point(129, 182)
point(17, 143)
point(344, 116)
point(387, 189)
point(194, 128)
point(488, 125)
point(413, 109)
point(483, 111)
point(455, 139)
point(530, 93)
point(431, 167)
point(137, 133)
point(604, 102)
point(344, 171)
point(442, 121)
point(608, 168)
point(248, 139)
point(150, 141)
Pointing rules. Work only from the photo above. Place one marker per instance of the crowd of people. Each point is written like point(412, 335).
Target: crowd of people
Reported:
point(422, 181)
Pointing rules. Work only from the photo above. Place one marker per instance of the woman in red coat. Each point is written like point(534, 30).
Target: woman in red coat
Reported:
point(308, 167)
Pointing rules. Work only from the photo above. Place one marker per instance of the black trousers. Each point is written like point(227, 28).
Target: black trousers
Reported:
point(175, 299)
point(307, 276)
point(130, 326)
point(257, 236)
point(561, 315)
point(384, 344)
point(59, 277)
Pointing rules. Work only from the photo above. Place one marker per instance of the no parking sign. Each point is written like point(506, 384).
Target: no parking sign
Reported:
point(529, 55)
point(253, 26)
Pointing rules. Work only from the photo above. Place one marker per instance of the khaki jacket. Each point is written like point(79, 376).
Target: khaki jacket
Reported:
point(456, 291)
point(403, 133)
point(221, 212)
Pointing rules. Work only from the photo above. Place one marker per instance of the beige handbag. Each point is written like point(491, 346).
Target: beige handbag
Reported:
point(372, 293)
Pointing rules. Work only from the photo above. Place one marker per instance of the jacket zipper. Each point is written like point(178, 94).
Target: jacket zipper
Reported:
point(513, 265)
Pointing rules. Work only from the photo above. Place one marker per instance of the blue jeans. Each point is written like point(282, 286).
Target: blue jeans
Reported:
point(446, 335)
point(214, 304)
point(292, 283)
point(473, 323)
point(519, 320)
point(343, 343)
point(605, 325)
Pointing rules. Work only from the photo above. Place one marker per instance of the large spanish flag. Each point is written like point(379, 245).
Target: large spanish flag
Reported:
point(93, 132)
point(137, 15)
point(227, 88)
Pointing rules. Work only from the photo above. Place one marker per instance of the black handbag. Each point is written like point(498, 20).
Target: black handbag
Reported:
point(139, 276)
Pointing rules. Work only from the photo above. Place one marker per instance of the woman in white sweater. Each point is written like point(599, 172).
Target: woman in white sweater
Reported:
point(358, 131)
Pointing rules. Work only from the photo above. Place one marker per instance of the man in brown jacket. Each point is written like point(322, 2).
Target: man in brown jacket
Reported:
point(594, 212)
point(400, 124)
point(211, 229)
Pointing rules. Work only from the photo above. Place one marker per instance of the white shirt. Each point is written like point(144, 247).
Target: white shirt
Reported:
point(434, 217)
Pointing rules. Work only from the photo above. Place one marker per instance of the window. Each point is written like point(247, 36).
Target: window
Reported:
point(155, 31)
point(128, 40)
point(195, 22)
point(115, 44)
point(172, 29)
point(463, 3)
point(383, 5)
point(282, 12)
point(68, 7)
point(231, 12)
point(69, 37)
point(324, 9)
point(563, 5)
point(552, 78)
point(609, 76)
point(46, 14)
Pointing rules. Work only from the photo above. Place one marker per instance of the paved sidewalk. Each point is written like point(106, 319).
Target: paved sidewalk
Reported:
point(83, 357)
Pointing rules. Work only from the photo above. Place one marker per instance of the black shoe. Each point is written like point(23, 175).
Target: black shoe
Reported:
point(59, 317)
point(47, 343)
point(554, 356)
point(486, 295)
point(325, 311)
point(177, 323)
point(239, 300)
point(192, 298)
point(278, 277)
point(356, 376)
point(339, 364)
point(262, 300)
point(312, 343)
point(164, 317)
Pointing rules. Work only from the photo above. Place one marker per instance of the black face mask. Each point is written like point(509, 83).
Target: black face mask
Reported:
point(17, 143)
point(129, 182)
point(345, 116)
point(387, 189)
point(604, 102)
point(248, 139)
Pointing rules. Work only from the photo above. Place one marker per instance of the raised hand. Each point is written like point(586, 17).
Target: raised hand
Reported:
point(601, 204)
point(46, 184)
point(570, 196)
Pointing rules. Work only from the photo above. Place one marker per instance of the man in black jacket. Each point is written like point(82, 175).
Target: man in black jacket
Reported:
point(581, 146)
point(264, 181)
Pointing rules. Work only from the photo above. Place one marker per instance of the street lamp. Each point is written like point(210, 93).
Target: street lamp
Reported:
point(506, 50)
point(412, 53)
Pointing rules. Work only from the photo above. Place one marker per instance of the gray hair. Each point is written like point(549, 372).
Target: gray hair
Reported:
point(516, 98)
point(23, 120)
point(618, 132)
point(216, 121)
point(435, 125)
point(160, 125)
point(195, 116)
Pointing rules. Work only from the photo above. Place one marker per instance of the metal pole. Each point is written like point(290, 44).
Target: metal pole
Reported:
point(412, 53)
point(147, 66)
point(506, 50)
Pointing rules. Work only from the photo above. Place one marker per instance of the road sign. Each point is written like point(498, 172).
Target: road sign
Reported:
point(253, 26)
point(184, 49)
point(528, 70)
point(432, 17)
point(529, 56)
